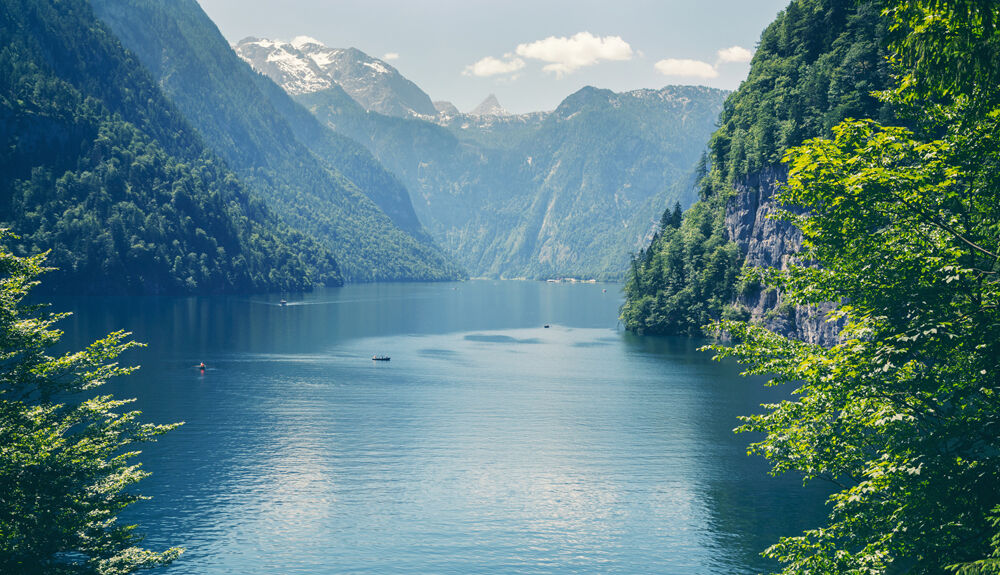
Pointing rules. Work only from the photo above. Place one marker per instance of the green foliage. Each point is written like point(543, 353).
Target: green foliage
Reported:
point(100, 169)
point(903, 414)
point(66, 464)
point(686, 277)
point(949, 52)
point(816, 64)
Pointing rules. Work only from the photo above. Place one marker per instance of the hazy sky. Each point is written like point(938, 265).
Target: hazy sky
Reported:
point(530, 53)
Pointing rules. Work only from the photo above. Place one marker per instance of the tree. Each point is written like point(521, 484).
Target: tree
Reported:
point(671, 219)
point(902, 229)
point(66, 454)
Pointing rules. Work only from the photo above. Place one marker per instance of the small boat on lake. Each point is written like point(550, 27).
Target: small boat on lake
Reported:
point(380, 358)
point(283, 302)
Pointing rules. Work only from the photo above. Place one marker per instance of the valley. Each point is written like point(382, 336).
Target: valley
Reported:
point(640, 290)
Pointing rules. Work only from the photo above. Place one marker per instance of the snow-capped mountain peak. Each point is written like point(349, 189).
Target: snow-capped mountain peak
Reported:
point(306, 65)
point(282, 60)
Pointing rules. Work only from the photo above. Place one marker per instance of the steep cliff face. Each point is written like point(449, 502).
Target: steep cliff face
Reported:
point(767, 242)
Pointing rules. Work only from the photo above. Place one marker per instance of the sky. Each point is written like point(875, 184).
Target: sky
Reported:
point(530, 53)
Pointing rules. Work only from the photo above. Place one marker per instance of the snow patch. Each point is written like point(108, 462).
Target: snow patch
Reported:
point(378, 67)
point(303, 79)
point(301, 41)
point(322, 59)
point(264, 43)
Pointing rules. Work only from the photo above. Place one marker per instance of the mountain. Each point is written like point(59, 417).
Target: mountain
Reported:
point(564, 193)
point(322, 183)
point(489, 107)
point(100, 168)
point(305, 65)
point(446, 108)
point(818, 63)
point(548, 194)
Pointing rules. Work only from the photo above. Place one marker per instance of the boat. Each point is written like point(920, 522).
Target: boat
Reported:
point(546, 326)
point(282, 302)
point(380, 358)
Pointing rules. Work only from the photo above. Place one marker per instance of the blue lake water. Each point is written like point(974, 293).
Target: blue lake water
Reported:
point(488, 444)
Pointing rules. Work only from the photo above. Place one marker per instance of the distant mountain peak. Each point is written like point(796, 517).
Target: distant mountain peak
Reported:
point(306, 65)
point(489, 107)
point(284, 62)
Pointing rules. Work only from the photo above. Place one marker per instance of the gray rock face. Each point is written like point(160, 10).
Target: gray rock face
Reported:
point(446, 108)
point(769, 242)
point(489, 107)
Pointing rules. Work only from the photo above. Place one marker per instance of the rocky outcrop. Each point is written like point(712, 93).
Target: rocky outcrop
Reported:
point(768, 242)
point(489, 107)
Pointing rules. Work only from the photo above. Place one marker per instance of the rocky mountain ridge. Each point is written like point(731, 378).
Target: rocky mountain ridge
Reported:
point(306, 65)
point(489, 107)
point(564, 193)
point(569, 192)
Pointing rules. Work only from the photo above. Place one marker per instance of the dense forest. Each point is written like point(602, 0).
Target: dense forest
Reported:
point(101, 169)
point(319, 182)
point(819, 62)
point(898, 210)
point(900, 229)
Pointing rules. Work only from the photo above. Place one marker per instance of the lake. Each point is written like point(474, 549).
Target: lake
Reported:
point(488, 444)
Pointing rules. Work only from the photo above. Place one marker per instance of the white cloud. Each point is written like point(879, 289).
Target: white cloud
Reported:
point(683, 67)
point(490, 66)
point(565, 55)
point(700, 69)
point(389, 56)
point(735, 54)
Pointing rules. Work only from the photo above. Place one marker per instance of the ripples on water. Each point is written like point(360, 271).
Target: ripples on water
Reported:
point(488, 444)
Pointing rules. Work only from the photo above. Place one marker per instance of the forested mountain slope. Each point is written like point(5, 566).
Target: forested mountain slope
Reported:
point(319, 182)
point(565, 193)
point(816, 64)
point(99, 167)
